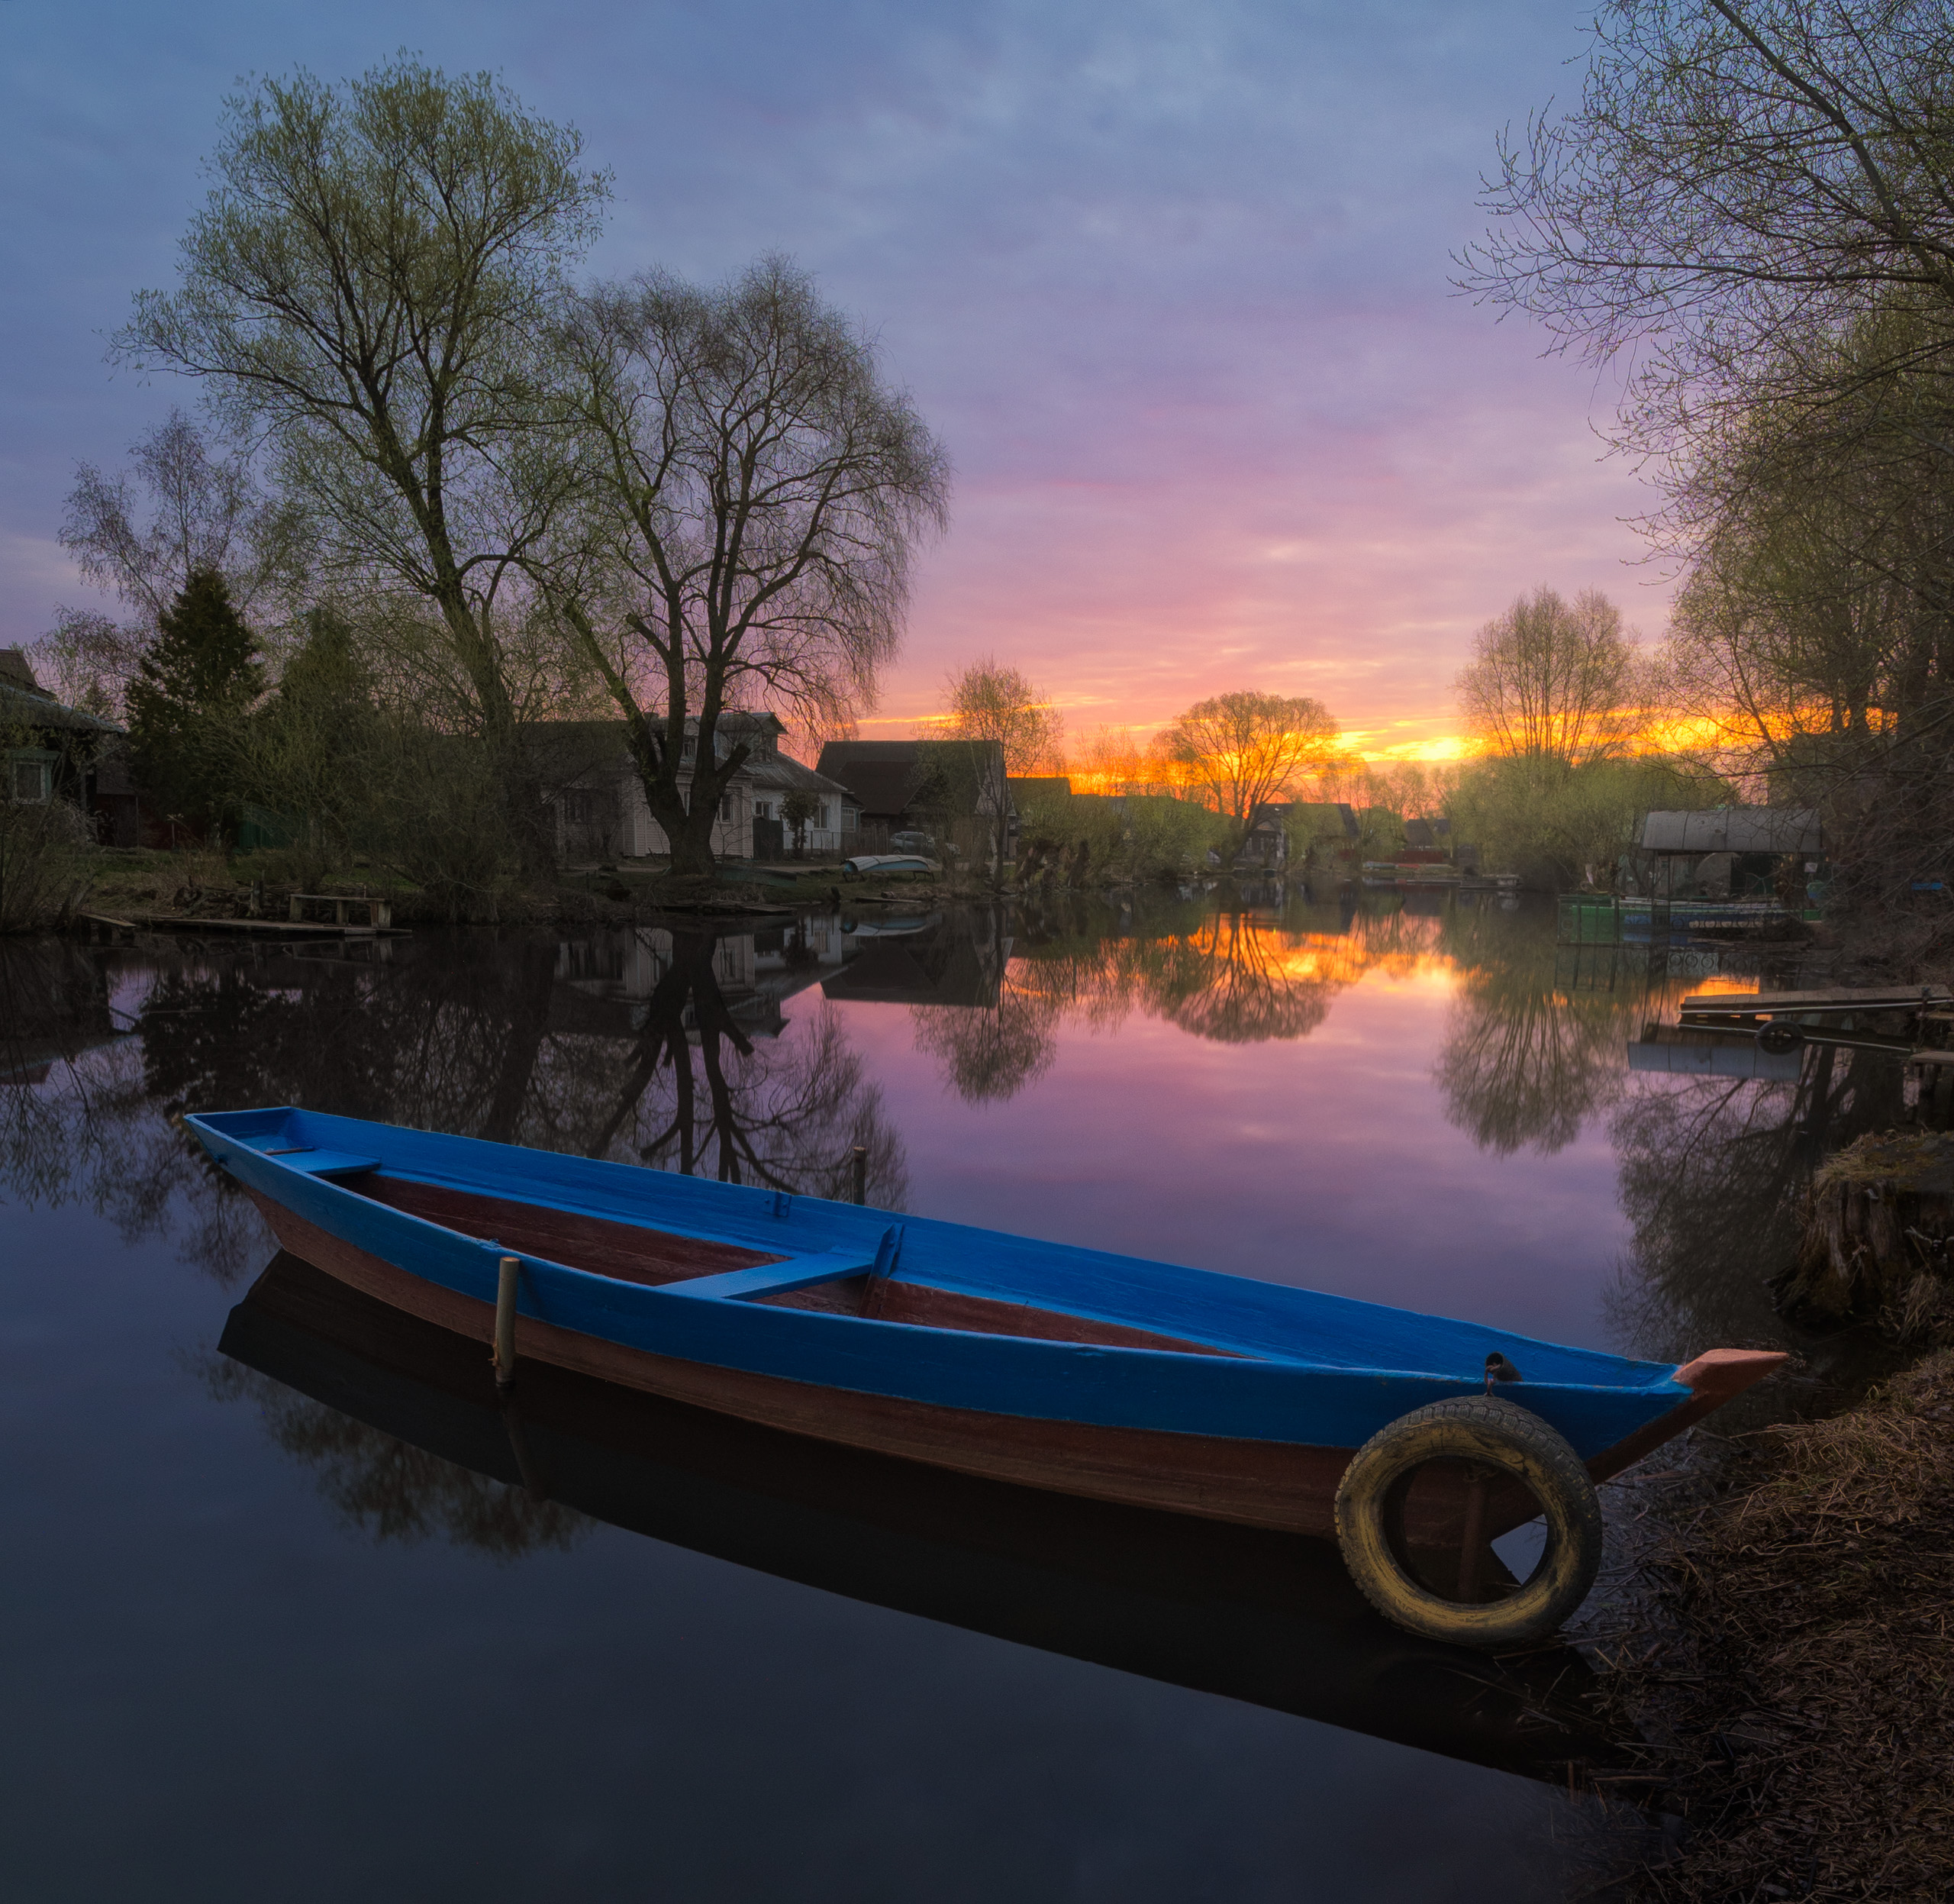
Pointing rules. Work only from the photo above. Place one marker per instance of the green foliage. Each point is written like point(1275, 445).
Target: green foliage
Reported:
point(43, 852)
point(799, 809)
point(189, 702)
point(436, 818)
point(1130, 836)
point(309, 757)
point(1552, 825)
point(366, 289)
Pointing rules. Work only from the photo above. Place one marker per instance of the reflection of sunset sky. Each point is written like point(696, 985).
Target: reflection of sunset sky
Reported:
point(1169, 281)
point(1418, 1110)
point(1326, 1160)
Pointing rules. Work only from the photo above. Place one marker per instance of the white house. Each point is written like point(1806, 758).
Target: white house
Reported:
point(601, 812)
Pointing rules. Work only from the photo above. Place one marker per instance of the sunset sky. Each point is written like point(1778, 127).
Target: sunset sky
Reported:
point(1169, 280)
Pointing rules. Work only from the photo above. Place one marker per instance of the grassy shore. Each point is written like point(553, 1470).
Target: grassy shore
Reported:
point(1796, 1685)
point(202, 884)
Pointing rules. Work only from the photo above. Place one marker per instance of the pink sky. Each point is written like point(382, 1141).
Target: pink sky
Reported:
point(1169, 278)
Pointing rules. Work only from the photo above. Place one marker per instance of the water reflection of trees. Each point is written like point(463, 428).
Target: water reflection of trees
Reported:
point(1713, 1172)
point(1524, 1063)
point(989, 1054)
point(1228, 974)
point(661, 1046)
point(1530, 1051)
point(77, 1123)
point(390, 1490)
point(703, 1096)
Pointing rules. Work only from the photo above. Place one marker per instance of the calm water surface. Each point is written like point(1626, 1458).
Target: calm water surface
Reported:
point(286, 1625)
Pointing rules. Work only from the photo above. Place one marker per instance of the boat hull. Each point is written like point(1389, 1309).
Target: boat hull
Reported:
point(1065, 1369)
point(1281, 1485)
point(1288, 1487)
point(1237, 1612)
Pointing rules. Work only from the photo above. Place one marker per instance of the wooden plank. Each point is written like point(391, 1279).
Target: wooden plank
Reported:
point(771, 1279)
point(281, 928)
point(628, 1251)
point(1885, 997)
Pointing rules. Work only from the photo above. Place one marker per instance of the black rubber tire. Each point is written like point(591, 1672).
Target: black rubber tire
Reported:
point(1500, 1434)
point(1779, 1036)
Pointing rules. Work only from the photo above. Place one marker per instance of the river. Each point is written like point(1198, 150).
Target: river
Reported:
point(289, 1621)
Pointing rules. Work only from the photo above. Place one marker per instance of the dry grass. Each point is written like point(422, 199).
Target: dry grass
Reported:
point(1798, 1697)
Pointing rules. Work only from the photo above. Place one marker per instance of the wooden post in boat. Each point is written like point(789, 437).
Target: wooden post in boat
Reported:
point(858, 1162)
point(505, 1322)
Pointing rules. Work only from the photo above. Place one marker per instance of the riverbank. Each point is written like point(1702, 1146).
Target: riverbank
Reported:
point(1795, 1679)
point(185, 889)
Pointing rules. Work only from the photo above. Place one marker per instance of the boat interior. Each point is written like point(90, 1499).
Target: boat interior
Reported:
point(632, 1253)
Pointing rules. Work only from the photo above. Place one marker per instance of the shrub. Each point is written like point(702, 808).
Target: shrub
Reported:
point(44, 864)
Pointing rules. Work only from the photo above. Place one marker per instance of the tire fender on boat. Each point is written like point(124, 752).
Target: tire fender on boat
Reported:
point(1491, 1433)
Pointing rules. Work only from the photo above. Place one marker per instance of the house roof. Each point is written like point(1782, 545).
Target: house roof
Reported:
point(1735, 829)
point(16, 671)
point(886, 776)
point(24, 702)
point(782, 773)
point(569, 749)
point(884, 788)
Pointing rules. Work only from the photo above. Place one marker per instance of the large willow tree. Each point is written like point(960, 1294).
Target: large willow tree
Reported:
point(753, 491)
point(366, 287)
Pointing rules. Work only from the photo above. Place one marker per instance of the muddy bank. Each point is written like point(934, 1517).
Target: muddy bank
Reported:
point(1795, 1679)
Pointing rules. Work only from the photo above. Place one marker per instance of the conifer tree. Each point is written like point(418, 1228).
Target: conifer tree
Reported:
point(188, 703)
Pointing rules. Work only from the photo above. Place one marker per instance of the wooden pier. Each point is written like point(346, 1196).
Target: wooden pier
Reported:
point(135, 922)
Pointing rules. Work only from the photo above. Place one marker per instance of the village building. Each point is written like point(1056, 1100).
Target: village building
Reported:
point(921, 786)
point(601, 813)
point(51, 752)
point(1265, 846)
point(1728, 852)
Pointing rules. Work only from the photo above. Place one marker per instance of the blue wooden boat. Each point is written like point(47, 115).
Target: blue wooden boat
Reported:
point(1066, 1369)
point(1240, 1612)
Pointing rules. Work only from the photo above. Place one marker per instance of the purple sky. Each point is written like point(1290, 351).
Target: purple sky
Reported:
point(1170, 280)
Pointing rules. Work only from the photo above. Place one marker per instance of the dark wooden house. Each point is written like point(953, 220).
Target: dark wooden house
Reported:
point(52, 752)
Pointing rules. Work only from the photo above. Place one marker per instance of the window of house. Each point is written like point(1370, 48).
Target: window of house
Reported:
point(848, 817)
point(29, 781)
point(688, 747)
point(726, 807)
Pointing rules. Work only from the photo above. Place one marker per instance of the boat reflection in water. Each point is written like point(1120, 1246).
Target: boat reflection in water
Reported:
point(1265, 1618)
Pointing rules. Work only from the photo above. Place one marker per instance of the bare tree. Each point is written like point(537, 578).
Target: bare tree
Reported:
point(368, 285)
point(187, 504)
point(206, 514)
point(1244, 750)
point(1756, 198)
point(1741, 182)
point(755, 493)
point(1554, 683)
point(989, 701)
point(1014, 728)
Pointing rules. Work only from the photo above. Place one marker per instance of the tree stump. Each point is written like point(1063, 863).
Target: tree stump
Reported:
point(1878, 1222)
